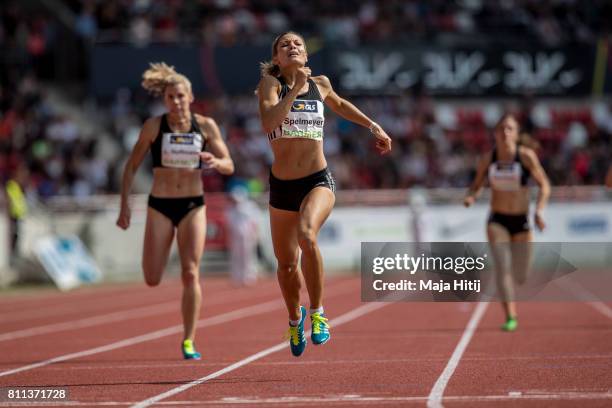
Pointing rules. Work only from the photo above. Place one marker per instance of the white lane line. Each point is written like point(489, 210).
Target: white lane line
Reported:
point(358, 399)
point(46, 311)
point(211, 321)
point(222, 318)
point(121, 315)
point(69, 308)
point(91, 321)
point(124, 299)
point(183, 364)
point(586, 296)
point(66, 303)
point(435, 396)
point(345, 318)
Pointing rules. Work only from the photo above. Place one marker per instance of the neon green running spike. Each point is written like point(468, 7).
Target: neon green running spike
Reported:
point(189, 351)
point(296, 337)
point(320, 328)
point(510, 325)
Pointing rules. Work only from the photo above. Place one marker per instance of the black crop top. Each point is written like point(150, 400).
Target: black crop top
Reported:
point(311, 94)
point(178, 150)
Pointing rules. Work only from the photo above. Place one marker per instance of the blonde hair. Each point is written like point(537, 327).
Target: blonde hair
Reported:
point(269, 67)
point(159, 76)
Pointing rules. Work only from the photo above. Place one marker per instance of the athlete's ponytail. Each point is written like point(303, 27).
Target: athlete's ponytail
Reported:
point(525, 139)
point(269, 68)
point(159, 76)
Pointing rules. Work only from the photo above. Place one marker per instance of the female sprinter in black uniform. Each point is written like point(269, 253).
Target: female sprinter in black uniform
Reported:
point(301, 187)
point(508, 167)
point(177, 140)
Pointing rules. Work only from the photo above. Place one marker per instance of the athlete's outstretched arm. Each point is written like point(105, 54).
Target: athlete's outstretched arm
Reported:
point(272, 110)
point(609, 178)
point(348, 111)
point(476, 186)
point(539, 175)
point(142, 146)
point(219, 159)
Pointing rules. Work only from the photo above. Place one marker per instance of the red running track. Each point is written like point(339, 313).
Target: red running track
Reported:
point(119, 346)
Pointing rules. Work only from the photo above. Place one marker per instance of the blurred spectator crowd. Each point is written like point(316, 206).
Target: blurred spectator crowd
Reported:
point(436, 144)
point(50, 146)
point(231, 22)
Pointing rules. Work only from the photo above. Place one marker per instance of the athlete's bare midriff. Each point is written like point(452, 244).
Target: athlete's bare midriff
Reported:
point(297, 158)
point(173, 183)
point(510, 202)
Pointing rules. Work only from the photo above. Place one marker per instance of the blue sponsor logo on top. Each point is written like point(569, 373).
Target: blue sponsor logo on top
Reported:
point(589, 224)
point(305, 106)
point(186, 139)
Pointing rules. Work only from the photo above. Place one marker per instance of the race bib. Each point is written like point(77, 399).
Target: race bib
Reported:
point(305, 120)
point(505, 176)
point(181, 150)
